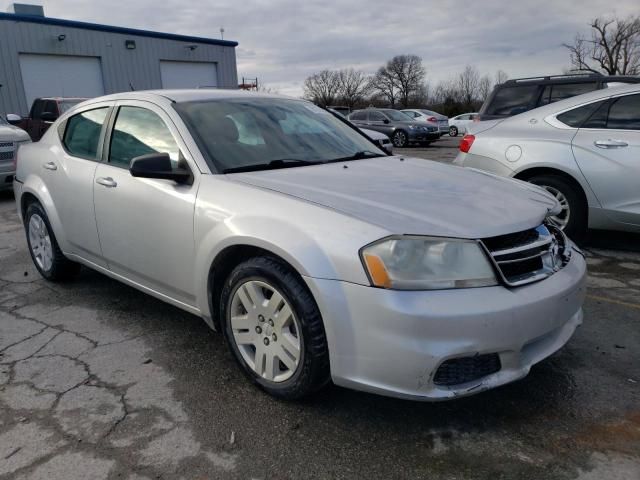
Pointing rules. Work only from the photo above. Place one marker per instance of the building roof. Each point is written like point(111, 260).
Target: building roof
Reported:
point(109, 28)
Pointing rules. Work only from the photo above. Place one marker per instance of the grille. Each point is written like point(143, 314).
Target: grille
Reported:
point(466, 369)
point(6, 155)
point(528, 256)
point(6, 144)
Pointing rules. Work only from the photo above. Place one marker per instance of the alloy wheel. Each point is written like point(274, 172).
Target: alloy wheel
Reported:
point(265, 330)
point(562, 218)
point(399, 139)
point(40, 242)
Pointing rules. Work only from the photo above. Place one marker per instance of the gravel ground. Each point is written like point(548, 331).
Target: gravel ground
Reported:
point(99, 381)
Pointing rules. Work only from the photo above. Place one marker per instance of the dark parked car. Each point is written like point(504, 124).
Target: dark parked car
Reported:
point(398, 126)
point(44, 112)
point(521, 95)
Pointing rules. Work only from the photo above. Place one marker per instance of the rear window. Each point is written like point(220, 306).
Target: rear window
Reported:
point(512, 100)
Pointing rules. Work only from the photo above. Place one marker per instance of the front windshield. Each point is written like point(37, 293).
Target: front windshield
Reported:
point(241, 132)
point(397, 116)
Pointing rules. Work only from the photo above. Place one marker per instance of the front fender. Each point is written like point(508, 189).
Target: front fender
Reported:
point(34, 185)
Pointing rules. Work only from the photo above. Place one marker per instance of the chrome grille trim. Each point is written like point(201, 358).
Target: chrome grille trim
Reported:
point(546, 253)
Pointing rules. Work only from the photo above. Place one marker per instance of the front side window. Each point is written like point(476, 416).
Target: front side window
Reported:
point(138, 131)
point(237, 133)
point(82, 133)
point(358, 116)
point(624, 113)
point(512, 100)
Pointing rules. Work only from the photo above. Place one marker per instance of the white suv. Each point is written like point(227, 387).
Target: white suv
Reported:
point(10, 139)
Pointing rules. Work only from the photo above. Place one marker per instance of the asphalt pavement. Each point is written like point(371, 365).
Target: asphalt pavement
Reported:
point(100, 381)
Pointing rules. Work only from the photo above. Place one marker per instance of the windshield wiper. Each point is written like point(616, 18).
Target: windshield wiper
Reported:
point(273, 164)
point(361, 155)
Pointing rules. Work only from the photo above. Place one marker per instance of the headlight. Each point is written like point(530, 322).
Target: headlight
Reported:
point(427, 263)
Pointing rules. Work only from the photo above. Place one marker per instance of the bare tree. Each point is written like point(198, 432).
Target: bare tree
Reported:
point(400, 79)
point(613, 47)
point(468, 82)
point(484, 88)
point(384, 83)
point(355, 85)
point(501, 77)
point(322, 88)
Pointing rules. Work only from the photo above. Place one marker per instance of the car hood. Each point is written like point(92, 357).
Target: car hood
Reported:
point(9, 133)
point(413, 196)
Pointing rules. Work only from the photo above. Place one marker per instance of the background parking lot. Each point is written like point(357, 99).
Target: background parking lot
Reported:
point(98, 380)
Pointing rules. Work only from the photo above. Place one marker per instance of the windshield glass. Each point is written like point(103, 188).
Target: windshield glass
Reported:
point(242, 132)
point(397, 116)
point(2, 120)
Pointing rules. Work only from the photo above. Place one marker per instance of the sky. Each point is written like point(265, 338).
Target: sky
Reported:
point(283, 41)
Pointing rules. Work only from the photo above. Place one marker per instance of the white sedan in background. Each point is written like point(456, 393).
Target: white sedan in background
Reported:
point(584, 150)
point(460, 123)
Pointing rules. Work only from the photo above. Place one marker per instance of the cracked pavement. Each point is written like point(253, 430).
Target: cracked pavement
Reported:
point(99, 381)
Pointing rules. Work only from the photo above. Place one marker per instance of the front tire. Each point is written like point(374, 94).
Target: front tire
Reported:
point(573, 217)
point(453, 131)
point(43, 246)
point(274, 329)
point(400, 139)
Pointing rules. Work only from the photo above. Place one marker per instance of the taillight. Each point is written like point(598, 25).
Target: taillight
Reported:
point(466, 142)
point(432, 119)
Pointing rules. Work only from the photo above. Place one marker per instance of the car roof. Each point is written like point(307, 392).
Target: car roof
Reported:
point(64, 99)
point(189, 95)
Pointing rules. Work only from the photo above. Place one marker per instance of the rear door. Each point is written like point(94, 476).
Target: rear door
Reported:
point(607, 149)
point(68, 174)
point(146, 225)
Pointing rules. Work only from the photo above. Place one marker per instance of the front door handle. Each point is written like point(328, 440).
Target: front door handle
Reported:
point(610, 143)
point(50, 166)
point(107, 182)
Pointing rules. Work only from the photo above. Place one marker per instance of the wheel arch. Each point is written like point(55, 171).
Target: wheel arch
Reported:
point(529, 173)
point(35, 190)
point(222, 265)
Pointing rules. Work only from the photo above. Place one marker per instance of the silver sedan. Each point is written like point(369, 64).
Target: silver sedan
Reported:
point(585, 151)
point(317, 255)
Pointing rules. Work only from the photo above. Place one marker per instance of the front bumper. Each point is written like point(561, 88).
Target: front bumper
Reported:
point(6, 177)
point(392, 342)
point(422, 136)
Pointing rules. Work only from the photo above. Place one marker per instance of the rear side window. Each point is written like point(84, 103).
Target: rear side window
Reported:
point(624, 113)
point(376, 117)
point(554, 93)
point(358, 116)
point(578, 116)
point(512, 100)
point(50, 106)
point(82, 135)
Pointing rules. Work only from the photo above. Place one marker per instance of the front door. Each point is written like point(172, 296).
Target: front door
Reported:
point(146, 225)
point(607, 149)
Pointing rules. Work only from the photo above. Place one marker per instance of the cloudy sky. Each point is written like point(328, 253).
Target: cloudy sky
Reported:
point(283, 41)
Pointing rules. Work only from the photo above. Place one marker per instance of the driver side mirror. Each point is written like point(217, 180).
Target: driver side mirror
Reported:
point(158, 165)
point(14, 119)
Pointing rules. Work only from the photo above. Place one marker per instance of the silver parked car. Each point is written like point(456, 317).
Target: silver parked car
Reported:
point(318, 257)
point(584, 150)
point(430, 117)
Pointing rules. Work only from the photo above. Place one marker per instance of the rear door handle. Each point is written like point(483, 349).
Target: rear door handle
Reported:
point(107, 182)
point(50, 166)
point(610, 143)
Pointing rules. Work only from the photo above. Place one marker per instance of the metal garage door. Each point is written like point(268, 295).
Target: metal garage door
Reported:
point(188, 74)
point(60, 76)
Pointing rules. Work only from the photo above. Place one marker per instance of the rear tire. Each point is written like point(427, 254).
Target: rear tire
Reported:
point(43, 246)
point(260, 336)
point(453, 131)
point(574, 218)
